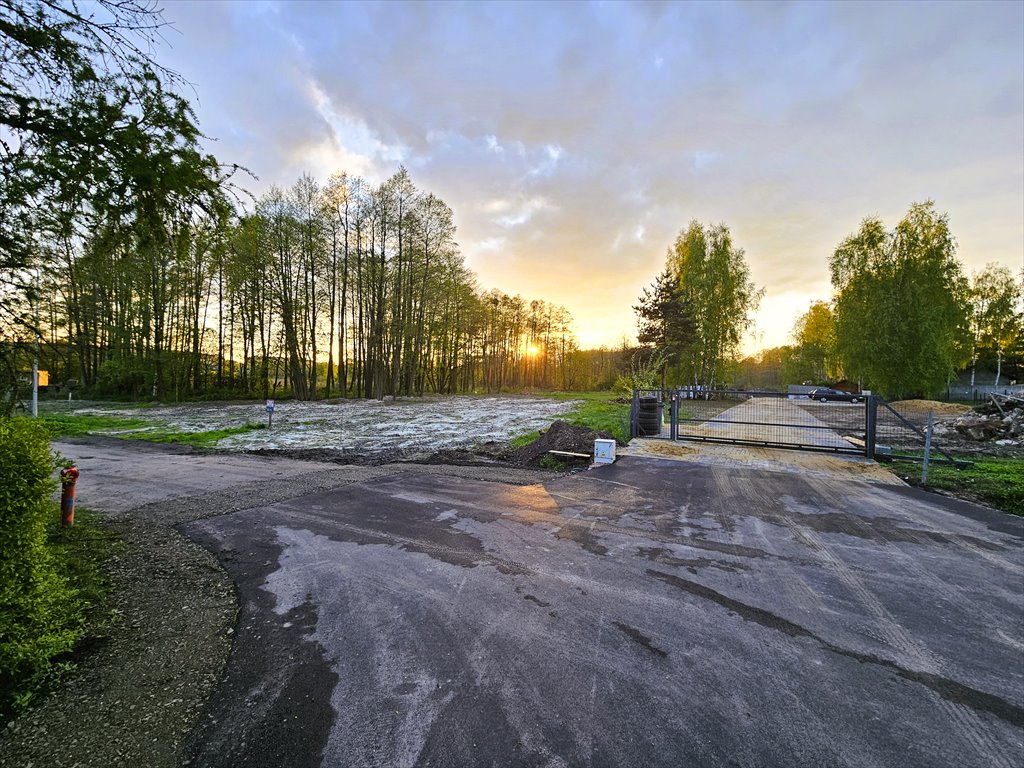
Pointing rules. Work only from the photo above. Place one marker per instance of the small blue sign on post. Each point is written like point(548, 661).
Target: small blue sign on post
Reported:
point(270, 413)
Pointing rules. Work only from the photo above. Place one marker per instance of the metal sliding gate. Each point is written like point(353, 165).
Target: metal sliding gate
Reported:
point(766, 419)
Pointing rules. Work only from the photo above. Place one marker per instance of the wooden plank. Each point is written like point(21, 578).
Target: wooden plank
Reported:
point(570, 453)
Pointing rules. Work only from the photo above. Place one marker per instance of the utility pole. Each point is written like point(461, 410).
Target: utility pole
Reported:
point(35, 359)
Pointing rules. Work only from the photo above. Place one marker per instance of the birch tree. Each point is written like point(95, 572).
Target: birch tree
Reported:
point(997, 321)
point(714, 280)
point(901, 311)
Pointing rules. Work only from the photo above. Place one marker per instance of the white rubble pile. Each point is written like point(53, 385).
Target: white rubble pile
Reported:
point(1005, 428)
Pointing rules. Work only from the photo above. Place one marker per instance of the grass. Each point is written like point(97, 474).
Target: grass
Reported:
point(996, 482)
point(84, 548)
point(596, 410)
point(72, 425)
point(82, 552)
point(206, 439)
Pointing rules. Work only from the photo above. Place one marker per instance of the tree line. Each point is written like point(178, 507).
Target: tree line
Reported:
point(902, 321)
point(134, 263)
point(342, 289)
point(904, 317)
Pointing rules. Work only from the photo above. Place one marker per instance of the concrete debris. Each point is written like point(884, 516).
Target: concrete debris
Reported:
point(987, 424)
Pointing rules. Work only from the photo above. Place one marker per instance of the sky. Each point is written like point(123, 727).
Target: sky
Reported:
point(575, 140)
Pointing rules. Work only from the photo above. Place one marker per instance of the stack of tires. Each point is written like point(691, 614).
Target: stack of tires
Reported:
point(650, 416)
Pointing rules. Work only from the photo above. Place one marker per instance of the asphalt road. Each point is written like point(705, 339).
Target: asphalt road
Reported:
point(650, 613)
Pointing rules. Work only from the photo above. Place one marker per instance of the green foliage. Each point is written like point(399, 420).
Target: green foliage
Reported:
point(996, 482)
point(901, 304)
point(122, 376)
point(663, 317)
point(41, 615)
point(600, 411)
point(643, 372)
point(770, 369)
point(814, 358)
point(103, 183)
point(997, 322)
point(63, 425)
point(555, 465)
point(714, 278)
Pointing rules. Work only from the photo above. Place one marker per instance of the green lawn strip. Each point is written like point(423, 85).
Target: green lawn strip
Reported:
point(72, 425)
point(207, 439)
point(595, 410)
point(997, 482)
point(994, 481)
point(76, 424)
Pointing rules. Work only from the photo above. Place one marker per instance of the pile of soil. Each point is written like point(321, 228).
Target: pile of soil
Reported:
point(1002, 425)
point(937, 407)
point(560, 436)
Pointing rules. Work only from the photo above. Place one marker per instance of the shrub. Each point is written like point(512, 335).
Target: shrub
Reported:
point(122, 376)
point(644, 373)
point(40, 615)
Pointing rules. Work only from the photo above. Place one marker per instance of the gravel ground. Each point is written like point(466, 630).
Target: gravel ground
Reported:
point(140, 688)
point(143, 679)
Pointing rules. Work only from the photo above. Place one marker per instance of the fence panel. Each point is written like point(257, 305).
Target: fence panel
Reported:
point(754, 418)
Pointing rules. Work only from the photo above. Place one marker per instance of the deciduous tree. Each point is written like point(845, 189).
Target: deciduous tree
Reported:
point(714, 280)
point(814, 358)
point(996, 318)
point(901, 303)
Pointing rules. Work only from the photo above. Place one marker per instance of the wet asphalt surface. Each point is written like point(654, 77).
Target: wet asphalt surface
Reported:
point(649, 613)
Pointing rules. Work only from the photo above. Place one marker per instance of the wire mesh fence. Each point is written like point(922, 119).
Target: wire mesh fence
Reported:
point(902, 433)
point(752, 418)
point(851, 424)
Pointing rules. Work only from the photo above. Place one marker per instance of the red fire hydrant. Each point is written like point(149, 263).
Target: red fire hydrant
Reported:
point(68, 478)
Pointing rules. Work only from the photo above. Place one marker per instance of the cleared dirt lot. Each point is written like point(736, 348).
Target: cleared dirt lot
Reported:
point(359, 427)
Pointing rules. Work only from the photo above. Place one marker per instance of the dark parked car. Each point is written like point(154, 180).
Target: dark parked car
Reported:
point(824, 394)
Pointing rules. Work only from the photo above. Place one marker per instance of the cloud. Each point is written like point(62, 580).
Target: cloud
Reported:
point(574, 141)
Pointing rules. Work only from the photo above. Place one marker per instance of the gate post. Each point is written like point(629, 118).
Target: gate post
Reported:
point(870, 424)
point(634, 415)
point(673, 429)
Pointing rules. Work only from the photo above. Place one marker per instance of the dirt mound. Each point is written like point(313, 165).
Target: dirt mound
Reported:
point(923, 406)
point(560, 436)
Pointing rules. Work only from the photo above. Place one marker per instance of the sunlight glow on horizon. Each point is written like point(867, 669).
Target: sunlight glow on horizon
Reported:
point(574, 141)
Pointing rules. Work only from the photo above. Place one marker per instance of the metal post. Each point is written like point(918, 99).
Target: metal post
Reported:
point(35, 384)
point(68, 478)
point(35, 360)
point(870, 425)
point(927, 450)
point(673, 430)
point(634, 415)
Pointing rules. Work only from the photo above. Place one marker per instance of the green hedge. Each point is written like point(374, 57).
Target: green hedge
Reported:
point(40, 614)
